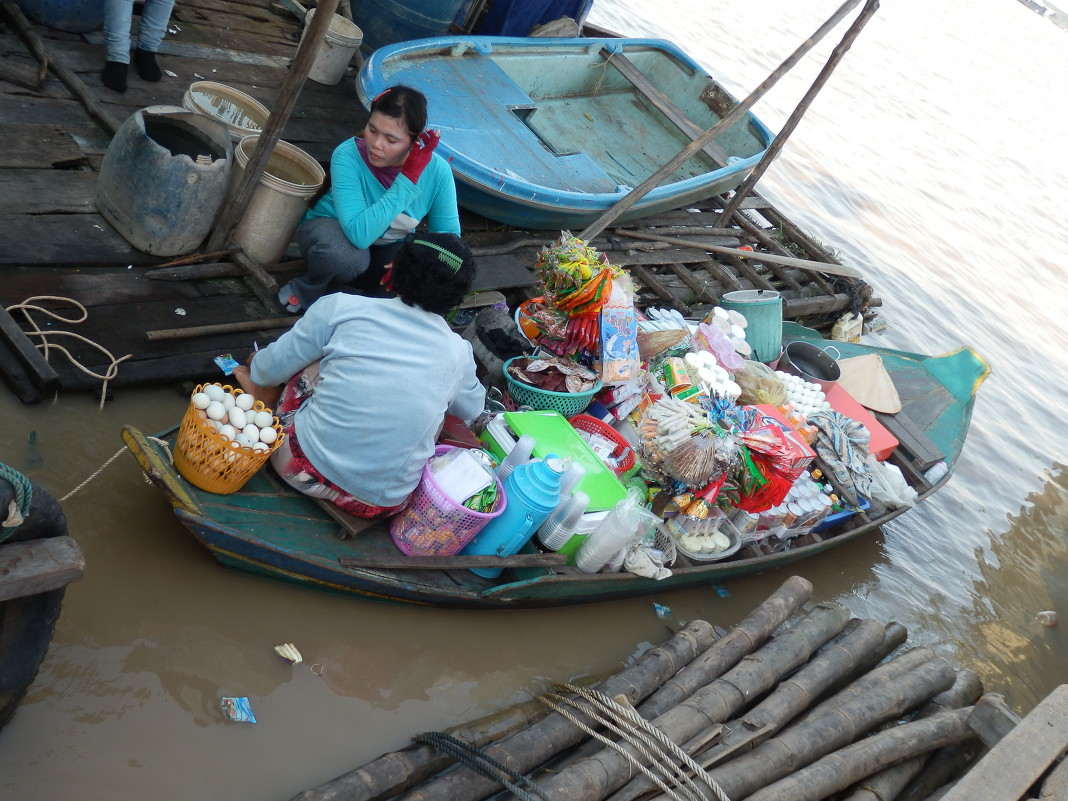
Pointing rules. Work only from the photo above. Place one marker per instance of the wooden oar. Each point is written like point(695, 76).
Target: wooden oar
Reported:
point(698, 144)
point(773, 258)
point(402, 562)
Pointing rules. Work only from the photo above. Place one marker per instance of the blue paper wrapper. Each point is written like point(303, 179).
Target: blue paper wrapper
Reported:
point(227, 363)
point(237, 709)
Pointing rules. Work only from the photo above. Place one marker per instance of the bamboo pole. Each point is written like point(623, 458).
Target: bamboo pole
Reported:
point(397, 771)
point(603, 773)
point(771, 258)
point(698, 144)
point(789, 698)
point(804, 743)
point(729, 649)
point(837, 771)
point(221, 328)
point(870, 7)
point(241, 194)
point(33, 41)
point(531, 747)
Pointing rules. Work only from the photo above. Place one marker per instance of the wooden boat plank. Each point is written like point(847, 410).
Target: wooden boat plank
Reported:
point(404, 562)
point(82, 239)
point(40, 373)
point(29, 110)
point(1022, 756)
point(45, 191)
point(662, 102)
point(39, 146)
point(35, 566)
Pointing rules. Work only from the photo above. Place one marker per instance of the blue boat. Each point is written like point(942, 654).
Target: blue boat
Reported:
point(551, 133)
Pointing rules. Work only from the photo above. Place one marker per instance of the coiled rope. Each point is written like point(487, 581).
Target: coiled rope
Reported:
point(471, 757)
point(46, 346)
point(655, 746)
point(20, 506)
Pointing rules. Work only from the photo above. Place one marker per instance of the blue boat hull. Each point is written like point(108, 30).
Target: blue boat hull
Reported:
point(551, 133)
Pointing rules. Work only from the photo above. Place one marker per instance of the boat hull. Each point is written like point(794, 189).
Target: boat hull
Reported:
point(551, 133)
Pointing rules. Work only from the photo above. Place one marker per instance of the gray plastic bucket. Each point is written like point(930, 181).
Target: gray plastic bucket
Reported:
point(164, 178)
point(339, 45)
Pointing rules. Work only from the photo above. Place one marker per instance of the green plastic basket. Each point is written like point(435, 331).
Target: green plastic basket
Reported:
point(567, 403)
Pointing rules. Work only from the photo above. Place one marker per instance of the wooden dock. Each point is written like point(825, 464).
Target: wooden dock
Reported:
point(81, 306)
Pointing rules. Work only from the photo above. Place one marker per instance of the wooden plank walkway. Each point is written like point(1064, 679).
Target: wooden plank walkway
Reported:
point(56, 245)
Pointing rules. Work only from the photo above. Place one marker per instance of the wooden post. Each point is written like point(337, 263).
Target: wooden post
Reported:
point(241, 195)
point(698, 144)
point(870, 7)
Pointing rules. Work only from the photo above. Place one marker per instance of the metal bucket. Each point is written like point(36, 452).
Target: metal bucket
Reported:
point(812, 363)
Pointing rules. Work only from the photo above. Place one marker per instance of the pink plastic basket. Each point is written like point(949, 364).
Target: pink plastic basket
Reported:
point(433, 524)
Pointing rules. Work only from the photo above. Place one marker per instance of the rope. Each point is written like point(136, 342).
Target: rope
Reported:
point(117, 454)
point(20, 506)
point(46, 346)
point(473, 758)
point(643, 736)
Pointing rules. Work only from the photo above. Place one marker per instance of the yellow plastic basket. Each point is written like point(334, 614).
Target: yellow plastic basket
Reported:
point(208, 460)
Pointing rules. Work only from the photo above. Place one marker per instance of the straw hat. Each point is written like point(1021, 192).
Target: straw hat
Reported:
point(866, 379)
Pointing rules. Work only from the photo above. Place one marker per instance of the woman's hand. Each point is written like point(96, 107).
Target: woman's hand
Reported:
point(419, 156)
point(268, 395)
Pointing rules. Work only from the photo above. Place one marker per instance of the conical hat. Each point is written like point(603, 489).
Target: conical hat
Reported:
point(866, 379)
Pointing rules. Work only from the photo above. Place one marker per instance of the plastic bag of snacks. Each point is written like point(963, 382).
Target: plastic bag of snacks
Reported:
point(619, 335)
point(759, 385)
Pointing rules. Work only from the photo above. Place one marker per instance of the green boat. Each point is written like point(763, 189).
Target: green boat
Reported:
point(268, 529)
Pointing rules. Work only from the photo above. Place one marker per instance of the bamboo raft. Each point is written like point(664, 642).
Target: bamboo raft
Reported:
point(797, 702)
point(150, 321)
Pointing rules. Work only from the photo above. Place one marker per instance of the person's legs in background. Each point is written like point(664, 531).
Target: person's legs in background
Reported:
point(150, 34)
point(330, 259)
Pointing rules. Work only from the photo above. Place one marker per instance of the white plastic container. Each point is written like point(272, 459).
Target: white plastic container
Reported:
point(615, 533)
point(517, 455)
point(563, 522)
point(288, 183)
point(339, 45)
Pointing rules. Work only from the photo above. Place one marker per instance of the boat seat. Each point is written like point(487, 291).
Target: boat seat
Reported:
point(499, 128)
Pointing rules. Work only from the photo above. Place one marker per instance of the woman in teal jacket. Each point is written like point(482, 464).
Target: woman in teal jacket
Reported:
point(381, 188)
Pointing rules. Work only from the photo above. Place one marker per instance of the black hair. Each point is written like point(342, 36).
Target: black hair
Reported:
point(404, 103)
point(433, 272)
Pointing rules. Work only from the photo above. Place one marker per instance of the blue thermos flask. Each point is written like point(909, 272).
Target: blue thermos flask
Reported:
point(533, 491)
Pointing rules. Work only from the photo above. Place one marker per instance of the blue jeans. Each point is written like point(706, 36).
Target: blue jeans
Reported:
point(118, 18)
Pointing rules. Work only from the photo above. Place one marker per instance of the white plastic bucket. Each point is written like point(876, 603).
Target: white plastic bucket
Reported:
point(241, 114)
point(289, 181)
point(340, 44)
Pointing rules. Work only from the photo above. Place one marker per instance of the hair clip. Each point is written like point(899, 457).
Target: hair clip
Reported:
point(450, 259)
point(381, 94)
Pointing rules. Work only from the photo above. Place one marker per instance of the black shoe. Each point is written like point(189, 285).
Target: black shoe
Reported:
point(147, 67)
point(114, 76)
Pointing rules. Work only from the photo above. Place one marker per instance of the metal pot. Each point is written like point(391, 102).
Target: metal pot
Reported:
point(811, 363)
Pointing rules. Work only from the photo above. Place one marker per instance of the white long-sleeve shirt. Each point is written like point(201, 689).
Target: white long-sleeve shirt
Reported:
point(389, 372)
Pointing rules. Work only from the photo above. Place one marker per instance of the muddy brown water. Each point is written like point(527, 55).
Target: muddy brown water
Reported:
point(932, 161)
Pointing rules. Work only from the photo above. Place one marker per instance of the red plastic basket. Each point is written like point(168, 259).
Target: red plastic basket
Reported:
point(433, 524)
point(591, 425)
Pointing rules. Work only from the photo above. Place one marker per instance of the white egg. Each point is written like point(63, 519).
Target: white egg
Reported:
point(260, 446)
point(263, 419)
point(243, 439)
point(825, 406)
point(244, 401)
point(228, 401)
point(214, 391)
point(228, 431)
point(237, 418)
point(201, 400)
point(215, 410)
point(821, 396)
point(252, 431)
point(268, 435)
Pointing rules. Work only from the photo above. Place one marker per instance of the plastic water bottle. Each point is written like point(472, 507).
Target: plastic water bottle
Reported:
point(561, 524)
point(520, 454)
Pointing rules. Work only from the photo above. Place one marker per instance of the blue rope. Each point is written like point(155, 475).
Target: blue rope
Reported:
point(23, 496)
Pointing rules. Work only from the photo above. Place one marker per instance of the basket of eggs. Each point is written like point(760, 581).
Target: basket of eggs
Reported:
point(225, 437)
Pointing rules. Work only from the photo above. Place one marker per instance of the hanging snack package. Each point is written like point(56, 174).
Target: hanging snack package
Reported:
point(620, 361)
